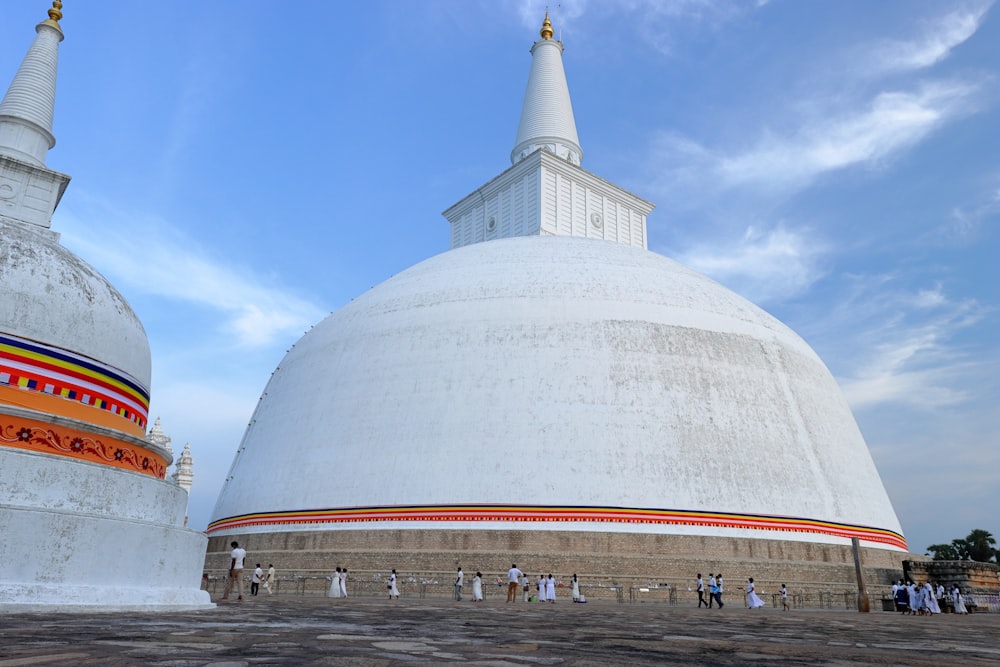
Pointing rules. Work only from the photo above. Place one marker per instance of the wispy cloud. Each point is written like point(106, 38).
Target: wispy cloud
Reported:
point(657, 23)
point(766, 266)
point(169, 265)
point(896, 344)
point(849, 119)
point(785, 162)
point(965, 221)
point(938, 39)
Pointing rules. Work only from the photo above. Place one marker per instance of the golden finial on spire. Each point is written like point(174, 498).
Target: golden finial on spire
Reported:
point(54, 15)
point(546, 31)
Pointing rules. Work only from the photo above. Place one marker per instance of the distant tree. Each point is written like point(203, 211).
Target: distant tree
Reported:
point(979, 545)
point(943, 552)
point(961, 548)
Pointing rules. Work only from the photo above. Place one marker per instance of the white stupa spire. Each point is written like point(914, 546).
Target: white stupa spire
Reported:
point(547, 115)
point(27, 109)
point(184, 472)
point(159, 438)
point(545, 191)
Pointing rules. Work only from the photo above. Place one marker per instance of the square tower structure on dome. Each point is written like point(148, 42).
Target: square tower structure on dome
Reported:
point(544, 194)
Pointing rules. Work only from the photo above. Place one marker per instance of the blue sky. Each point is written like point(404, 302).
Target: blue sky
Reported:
point(240, 171)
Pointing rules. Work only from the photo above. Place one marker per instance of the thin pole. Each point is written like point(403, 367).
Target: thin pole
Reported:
point(864, 606)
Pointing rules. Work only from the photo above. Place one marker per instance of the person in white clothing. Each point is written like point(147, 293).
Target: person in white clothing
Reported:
point(269, 579)
point(236, 558)
point(911, 594)
point(753, 600)
point(576, 589)
point(540, 585)
point(477, 587)
point(459, 582)
point(393, 591)
point(343, 582)
point(334, 584)
point(700, 587)
point(958, 601)
point(930, 599)
point(513, 575)
point(256, 579)
point(550, 589)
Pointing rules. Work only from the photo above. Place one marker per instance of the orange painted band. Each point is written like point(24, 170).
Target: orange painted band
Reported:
point(39, 436)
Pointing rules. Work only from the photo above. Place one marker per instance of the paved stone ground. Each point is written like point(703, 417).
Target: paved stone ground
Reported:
point(365, 631)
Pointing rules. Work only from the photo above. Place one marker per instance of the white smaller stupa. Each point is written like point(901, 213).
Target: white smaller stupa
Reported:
point(88, 521)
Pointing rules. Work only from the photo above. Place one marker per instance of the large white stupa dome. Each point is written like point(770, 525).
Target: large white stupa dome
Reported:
point(562, 379)
point(551, 393)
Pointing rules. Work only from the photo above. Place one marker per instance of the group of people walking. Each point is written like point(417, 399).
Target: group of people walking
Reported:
point(477, 586)
point(909, 598)
point(544, 587)
point(926, 599)
point(261, 578)
point(234, 578)
point(716, 586)
point(715, 590)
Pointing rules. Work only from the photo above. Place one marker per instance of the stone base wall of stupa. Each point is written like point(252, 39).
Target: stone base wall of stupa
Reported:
point(970, 576)
point(83, 537)
point(595, 556)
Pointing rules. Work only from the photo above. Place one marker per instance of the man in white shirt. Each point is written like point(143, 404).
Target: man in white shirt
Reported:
point(513, 574)
point(237, 557)
point(459, 580)
point(258, 576)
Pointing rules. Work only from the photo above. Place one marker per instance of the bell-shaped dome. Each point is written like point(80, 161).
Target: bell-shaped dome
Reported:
point(63, 325)
point(53, 296)
point(574, 379)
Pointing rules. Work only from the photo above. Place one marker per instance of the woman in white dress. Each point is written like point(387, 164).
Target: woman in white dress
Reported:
point(958, 601)
point(334, 585)
point(393, 591)
point(477, 587)
point(540, 585)
point(930, 600)
point(576, 589)
point(753, 601)
point(550, 589)
point(343, 582)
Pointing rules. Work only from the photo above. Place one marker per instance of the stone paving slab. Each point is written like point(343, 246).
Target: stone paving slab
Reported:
point(279, 630)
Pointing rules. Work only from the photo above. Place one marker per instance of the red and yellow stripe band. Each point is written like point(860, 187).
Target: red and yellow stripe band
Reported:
point(536, 513)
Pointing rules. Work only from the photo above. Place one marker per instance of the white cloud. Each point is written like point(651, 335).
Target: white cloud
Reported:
point(940, 37)
point(656, 22)
point(896, 344)
point(164, 263)
point(892, 122)
point(965, 222)
point(764, 266)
